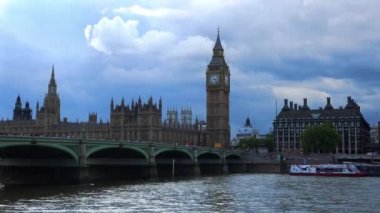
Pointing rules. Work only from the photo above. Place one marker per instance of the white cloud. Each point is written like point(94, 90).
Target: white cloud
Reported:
point(336, 84)
point(298, 93)
point(3, 3)
point(113, 35)
point(157, 12)
point(192, 46)
point(116, 36)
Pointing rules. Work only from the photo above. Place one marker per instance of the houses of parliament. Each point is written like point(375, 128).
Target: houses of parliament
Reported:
point(135, 121)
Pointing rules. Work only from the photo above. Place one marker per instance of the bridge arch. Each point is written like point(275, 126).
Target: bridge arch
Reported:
point(208, 154)
point(64, 150)
point(171, 150)
point(233, 156)
point(103, 148)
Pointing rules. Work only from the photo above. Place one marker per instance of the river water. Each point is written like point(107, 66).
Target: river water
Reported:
point(230, 193)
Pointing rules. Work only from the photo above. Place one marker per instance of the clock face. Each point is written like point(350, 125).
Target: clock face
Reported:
point(226, 79)
point(214, 79)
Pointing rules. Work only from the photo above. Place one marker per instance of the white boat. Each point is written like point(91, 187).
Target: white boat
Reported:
point(347, 170)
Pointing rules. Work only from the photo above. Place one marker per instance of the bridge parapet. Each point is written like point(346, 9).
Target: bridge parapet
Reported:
point(80, 160)
point(82, 149)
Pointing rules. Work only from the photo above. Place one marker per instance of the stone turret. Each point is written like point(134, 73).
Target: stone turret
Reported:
point(112, 104)
point(93, 118)
point(248, 123)
point(50, 113)
point(172, 117)
point(186, 116)
point(37, 108)
point(17, 111)
point(27, 112)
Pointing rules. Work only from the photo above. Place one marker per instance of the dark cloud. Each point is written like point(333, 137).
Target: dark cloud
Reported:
point(295, 47)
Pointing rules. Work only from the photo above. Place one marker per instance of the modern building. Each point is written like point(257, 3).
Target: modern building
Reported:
point(348, 121)
point(137, 121)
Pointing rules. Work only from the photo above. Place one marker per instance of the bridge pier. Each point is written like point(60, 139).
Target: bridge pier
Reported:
point(83, 175)
point(22, 175)
point(197, 170)
point(225, 169)
point(82, 153)
point(153, 174)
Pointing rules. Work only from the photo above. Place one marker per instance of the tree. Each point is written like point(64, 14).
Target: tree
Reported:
point(322, 138)
point(249, 143)
point(256, 143)
point(269, 143)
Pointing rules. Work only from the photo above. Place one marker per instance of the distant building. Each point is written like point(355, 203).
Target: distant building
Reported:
point(246, 132)
point(348, 121)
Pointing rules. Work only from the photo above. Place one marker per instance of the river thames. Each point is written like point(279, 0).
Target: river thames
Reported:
point(230, 193)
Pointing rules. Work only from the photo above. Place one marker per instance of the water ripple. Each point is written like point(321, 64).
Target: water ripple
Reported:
point(233, 193)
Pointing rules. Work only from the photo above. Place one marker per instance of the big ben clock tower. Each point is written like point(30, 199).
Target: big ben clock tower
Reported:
point(218, 99)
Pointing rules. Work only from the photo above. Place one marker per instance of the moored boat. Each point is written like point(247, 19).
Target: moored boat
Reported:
point(344, 170)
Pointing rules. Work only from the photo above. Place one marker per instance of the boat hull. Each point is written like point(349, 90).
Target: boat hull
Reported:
point(327, 170)
point(329, 174)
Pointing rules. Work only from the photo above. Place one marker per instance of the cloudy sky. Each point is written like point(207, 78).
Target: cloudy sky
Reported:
point(275, 49)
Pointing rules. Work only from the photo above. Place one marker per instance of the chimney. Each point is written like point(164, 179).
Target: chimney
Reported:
point(305, 107)
point(295, 106)
point(348, 99)
point(286, 107)
point(328, 104)
point(291, 105)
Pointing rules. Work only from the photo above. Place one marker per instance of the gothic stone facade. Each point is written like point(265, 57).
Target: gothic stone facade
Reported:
point(348, 121)
point(138, 121)
point(218, 98)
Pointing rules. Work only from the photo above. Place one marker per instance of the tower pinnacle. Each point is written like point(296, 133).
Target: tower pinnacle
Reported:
point(218, 44)
point(52, 84)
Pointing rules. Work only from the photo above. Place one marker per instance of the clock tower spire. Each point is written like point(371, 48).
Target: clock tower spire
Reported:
point(218, 98)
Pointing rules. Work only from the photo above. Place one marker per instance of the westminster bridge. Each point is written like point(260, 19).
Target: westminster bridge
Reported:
point(68, 160)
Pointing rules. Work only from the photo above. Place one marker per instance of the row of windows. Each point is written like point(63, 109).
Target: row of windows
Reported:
point(324, 118)
point(297, 125)
point(291, 139)
point(346, 130)
point(352, 130)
